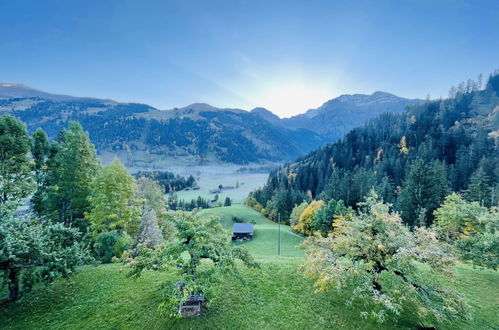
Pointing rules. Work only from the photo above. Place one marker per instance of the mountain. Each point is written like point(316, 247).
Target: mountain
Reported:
point(10, 90)
point(143, 136)
point(412, 159)
point(268, 116)
point(338, 116)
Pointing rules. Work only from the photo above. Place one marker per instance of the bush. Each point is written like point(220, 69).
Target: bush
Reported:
point(237, 219)
point(106, 245)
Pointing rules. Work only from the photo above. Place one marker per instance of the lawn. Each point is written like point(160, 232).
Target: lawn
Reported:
point(274, 296)
point(264, 243)
point(211, 177)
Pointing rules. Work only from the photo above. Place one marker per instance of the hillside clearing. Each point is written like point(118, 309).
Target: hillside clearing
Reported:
point(276, 296)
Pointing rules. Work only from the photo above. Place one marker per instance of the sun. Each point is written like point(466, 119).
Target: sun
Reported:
point(289, 99)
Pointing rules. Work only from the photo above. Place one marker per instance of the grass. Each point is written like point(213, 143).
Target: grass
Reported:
point(226, 177)
point(265, 237)
point(275, 296)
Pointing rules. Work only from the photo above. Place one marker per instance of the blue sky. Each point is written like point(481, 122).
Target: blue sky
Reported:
point(288, 56)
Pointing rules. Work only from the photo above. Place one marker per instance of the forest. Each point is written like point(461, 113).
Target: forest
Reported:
point(413, 160)
point(168, 180)
point(387, 217)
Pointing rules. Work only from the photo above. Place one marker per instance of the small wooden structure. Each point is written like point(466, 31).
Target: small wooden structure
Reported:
point(242, 231)
point(194, 304)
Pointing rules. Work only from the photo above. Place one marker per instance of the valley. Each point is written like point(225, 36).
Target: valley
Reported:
point(249, 165)
point(274, 296)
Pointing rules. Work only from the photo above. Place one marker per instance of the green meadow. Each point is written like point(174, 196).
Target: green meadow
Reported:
point(274, 296)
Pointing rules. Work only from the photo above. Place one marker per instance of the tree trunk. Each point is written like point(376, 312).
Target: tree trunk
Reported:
point(13, 284)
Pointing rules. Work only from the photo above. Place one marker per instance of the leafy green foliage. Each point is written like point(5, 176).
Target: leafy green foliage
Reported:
point(324, 216)
point(110, 244)
point(199, 255)
point(297, 211)
point(307, 217)
point(15, 172)
point(472, 228)
point(37, 252)
point(71, 168)
point(113, 201)
point(384, 266)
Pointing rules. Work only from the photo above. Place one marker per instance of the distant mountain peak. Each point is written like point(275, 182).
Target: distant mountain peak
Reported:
point(337, 116)
point(268, 115)
point(9, 85)
point(17, 90)
point(199, 106)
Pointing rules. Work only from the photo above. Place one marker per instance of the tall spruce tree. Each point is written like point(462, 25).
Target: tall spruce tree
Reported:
point(420, 195)
point(478, 188)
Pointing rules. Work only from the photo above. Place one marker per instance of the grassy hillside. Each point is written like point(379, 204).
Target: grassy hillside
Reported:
point(212, 176)
point(276, 296)
point(264, 243)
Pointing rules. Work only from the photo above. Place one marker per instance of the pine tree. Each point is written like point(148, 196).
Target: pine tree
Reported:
point(420, 193)
point(149, 233)
point(478, 188)
point(40, 151)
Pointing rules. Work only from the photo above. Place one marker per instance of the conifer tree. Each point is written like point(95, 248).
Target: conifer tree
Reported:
point(478, 188)
point(419, 194)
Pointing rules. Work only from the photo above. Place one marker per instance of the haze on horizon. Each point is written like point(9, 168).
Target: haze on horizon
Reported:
point(287, 56)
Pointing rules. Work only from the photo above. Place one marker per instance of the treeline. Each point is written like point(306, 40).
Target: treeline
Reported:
point(73, 209)
point(176, 204)
point(413, 160)
point(168, 180)
point(124, 127)
point(79, 212)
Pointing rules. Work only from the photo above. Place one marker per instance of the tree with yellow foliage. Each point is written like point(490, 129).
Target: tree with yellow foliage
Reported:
point(114, 202)
point(473, 229)
point(385, 267)
point(307, 217)
point(403, 146)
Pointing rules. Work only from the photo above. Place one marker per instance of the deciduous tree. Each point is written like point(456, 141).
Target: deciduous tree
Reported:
point(15, 171)
point(37, 252)
point(70, 176)
point(113, 201)
point(384, 266)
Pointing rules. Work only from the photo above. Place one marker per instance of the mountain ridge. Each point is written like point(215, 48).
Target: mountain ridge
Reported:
point(199, 132)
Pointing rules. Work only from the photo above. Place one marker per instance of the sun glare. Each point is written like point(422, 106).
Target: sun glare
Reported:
point(287, 100)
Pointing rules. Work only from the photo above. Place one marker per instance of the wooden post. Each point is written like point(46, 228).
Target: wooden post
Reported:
point(278, 234)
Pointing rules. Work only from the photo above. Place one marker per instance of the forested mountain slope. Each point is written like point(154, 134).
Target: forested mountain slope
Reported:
point(338, 116)
point(413, 159)
point(142, 135)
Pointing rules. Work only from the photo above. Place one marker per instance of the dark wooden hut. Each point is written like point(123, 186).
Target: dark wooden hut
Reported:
point(242, 231)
